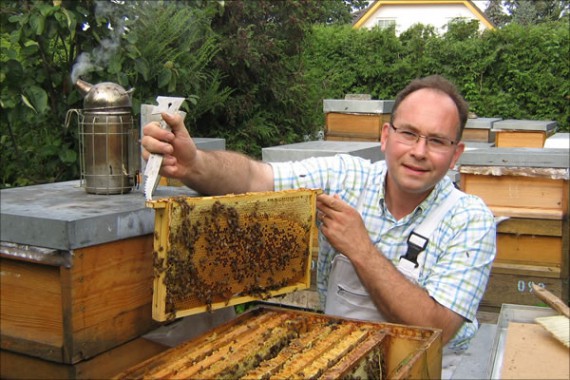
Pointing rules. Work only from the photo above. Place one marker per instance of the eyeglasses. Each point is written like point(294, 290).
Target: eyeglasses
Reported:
point(434, 143)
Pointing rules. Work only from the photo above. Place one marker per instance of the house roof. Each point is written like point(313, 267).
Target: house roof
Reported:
point(372, 8)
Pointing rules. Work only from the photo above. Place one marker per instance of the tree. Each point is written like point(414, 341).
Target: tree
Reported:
point(156, 47)
point(260, 46)
point(340, 11)
point(495, 13)
point(528, 12)
point(525, 13)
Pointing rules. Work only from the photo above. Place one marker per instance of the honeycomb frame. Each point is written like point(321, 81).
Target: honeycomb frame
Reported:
point(214, 252)
point(276, 343)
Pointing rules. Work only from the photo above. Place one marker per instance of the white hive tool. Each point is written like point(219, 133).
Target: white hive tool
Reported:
point(152, 178)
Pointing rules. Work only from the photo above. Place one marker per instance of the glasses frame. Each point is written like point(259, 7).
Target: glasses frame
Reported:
point(418, 136)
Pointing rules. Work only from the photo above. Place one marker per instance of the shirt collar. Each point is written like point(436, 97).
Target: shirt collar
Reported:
point(436, 196)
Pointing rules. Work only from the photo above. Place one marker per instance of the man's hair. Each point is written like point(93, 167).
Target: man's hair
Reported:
point(436, 83)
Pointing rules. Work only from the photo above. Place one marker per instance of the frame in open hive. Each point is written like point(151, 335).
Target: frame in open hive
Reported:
point(213, 252)
point(273, 343)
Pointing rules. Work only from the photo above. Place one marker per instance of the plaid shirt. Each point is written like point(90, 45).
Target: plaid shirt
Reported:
point(459, 254)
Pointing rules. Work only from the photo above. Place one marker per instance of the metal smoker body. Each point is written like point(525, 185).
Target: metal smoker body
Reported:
point(108, 138)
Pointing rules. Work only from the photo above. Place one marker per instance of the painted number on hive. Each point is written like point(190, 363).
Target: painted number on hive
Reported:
point(526, 286)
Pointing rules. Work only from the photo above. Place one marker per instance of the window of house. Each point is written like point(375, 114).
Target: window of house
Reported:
point(384, 23)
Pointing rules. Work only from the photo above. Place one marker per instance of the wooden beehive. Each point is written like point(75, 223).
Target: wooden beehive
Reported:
point(479, 130)
point(355, 118)
point(212, 252)
point(523, 133)
point(529, 189)
point(279, 343)
point(354, 127)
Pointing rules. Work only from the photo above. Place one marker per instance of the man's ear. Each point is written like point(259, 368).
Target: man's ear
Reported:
point(384, 136)
point(458, 152)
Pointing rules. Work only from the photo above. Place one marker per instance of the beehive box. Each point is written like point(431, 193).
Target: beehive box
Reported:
point(279, 343)
point(529, 188)
point(77, 275)
point(536, 247)
point(522, 133)
point(355, 119)
point(516, 288)
point(518, 182)
point(213, 252)
point(479, 130)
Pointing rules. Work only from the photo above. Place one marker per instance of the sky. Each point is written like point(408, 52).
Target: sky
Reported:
point(482, 4)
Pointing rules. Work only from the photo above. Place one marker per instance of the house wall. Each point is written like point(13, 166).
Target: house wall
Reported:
point(433, 14)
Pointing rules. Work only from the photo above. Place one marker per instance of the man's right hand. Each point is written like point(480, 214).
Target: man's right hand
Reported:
point(211, 172)
point(177, 147)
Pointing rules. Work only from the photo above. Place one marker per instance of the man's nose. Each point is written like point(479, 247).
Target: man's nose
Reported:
point(420, 147)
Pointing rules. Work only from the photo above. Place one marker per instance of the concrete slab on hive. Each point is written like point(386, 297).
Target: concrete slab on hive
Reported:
point(299, 151)
point(481, 122)
point(516, 157)
point(358, 106)
point(525, 125)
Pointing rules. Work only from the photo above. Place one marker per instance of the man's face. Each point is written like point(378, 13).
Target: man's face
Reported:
point(415, 167)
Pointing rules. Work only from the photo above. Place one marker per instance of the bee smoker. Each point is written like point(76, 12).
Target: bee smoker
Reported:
point(108, 140)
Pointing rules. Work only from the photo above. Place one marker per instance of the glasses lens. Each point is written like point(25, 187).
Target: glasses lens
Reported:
point(436, 144)
point(407, 136)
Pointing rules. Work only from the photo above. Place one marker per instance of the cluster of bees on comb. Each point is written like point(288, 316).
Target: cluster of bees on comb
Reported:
point(216, 252)
point(275, 345)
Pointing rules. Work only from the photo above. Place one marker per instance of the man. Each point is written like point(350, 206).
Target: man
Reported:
point(368, 211)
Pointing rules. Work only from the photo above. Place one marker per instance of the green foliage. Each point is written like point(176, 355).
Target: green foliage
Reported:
point(36, 38)
point(173, 47)
point(341, 60)
point(527, 12)
point(495, 13)
point(260, 61)
point(528, 73)
point(47, 45)
point(515, 72)
point(253, 72)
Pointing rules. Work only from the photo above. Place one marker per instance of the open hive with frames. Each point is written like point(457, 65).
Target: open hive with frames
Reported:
point(213, 252)
point(273, 343)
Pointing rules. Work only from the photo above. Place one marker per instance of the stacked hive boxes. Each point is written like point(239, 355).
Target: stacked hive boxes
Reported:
point(479, 130)
point(356, 119)
point(528, 189)
point(77, 275)
point(522, 133)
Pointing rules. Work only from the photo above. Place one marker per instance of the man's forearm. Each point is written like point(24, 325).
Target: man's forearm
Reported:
point(401, 301)
point(225, 172)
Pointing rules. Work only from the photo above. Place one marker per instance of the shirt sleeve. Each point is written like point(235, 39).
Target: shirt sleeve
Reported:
point(466, 250)
point(331, 174)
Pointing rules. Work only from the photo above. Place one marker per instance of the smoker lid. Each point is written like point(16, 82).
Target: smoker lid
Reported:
point(107, 95)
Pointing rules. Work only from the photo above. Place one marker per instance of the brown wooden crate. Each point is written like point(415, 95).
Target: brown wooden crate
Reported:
point(30, 308)
point(527, 270)
point(535, 247)
point(111, 295)
point(517, 289)
point(239, 248)
point(406, 352)
point(356, 127)
point(520, 139)
point(69, 314)
point(529, 226)
point(476, 135)
point(518, 192)
point(529, 249)
point(102, 366)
